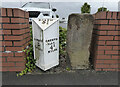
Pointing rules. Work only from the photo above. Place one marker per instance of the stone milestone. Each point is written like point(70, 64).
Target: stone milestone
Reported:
point(79, 33)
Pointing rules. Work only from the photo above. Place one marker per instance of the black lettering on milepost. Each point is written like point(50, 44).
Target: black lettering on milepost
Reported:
point(52, 45)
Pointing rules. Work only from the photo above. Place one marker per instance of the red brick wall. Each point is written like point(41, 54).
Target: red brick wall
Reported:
point(106, 41)
point(14, 37)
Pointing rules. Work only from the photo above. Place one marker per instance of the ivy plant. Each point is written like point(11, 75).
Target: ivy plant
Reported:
point(30, 61)
point(62, 40)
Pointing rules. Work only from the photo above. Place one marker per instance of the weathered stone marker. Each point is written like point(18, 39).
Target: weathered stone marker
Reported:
point(79, 33)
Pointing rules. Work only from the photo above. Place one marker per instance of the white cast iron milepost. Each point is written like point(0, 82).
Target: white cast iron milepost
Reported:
point(46, 42)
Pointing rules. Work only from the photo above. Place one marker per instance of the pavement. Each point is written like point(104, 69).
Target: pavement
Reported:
point(80, 77)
